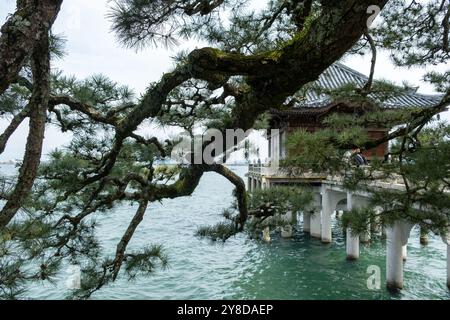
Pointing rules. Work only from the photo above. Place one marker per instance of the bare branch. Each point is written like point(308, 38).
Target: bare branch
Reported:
point(122, 246)
point(83, 108)
point(13, 125)
point(152, 141)
point(368, 86)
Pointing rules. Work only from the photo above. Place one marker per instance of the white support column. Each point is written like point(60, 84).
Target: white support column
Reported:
point(405, 252)
point(249, 184)
point(266, 234)
point(315, 224)
point(340, 208)
point(326, 216)
point(286, 231)
point(423, 236)
point(397, 237)
point(394, 260)
point(306, 222)
point(352, 243)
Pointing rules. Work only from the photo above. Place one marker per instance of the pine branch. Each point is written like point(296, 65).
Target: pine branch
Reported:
point(122, 246)
point(13, 125)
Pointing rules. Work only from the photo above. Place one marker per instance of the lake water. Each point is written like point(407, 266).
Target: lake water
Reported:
point(297, 268)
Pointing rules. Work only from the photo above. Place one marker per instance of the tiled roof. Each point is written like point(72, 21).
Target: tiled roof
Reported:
point(311, 115)
point(338, 75)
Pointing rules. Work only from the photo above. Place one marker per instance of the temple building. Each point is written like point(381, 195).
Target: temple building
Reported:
point(310, 113)
point(329, 193)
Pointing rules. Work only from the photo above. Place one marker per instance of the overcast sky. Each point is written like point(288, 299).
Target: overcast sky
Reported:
point(92, 48)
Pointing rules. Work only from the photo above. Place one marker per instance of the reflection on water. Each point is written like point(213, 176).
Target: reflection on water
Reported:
point(297, 268)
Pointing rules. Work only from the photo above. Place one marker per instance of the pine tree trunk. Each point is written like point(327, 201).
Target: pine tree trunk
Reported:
point(38, 115)
point(26, 27)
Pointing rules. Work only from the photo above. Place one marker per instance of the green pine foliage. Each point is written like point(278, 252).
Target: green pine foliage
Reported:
point(266, 208)
point(107, 164)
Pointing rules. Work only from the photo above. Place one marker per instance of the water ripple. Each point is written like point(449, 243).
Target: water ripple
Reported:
point(298, 268)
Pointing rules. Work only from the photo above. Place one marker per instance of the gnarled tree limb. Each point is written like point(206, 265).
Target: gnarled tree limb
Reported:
point(38, 115)
point(26, 27)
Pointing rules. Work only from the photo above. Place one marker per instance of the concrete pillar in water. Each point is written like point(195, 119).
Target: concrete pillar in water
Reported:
point(315, 217)
point(423, 236)
point(404, 252)
point(394, 261)
point(286, 231)
point(306, 222)
point(326, 216)
point(397, 236)
point(352, 242)
point(352, 245)
point(266, 234)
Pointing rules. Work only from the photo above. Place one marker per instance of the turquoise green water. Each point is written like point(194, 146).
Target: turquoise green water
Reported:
point(297, 268)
